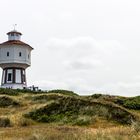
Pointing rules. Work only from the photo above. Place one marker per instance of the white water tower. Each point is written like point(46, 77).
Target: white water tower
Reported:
point(15, 57)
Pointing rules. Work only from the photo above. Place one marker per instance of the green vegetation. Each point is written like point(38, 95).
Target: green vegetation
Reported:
point(68, 109)
point(64, 92)
point(127, 102)
point(8, 92)
point(64, 115)
point(5, 122)
point(131, 103)
point(7, 101)
point(47, 97)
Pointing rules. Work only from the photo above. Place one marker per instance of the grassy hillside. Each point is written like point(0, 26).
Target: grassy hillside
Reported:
point(129, 103)
point(62, 114)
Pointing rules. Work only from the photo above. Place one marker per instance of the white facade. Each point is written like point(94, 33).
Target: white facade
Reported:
point(13, 77)
point(14, 86)
point(15, 54)
point(15, 57)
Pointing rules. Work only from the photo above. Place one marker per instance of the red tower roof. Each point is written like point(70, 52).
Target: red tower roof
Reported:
point(15, 42)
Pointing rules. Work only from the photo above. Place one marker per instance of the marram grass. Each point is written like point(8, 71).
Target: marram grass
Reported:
point(60, 116)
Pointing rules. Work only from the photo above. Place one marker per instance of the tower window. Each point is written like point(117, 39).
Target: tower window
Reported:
point(12, 34)
point(9, 77)
point(19, 54)
point(7, 53)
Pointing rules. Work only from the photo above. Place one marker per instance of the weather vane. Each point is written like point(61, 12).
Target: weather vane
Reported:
point(14, 26)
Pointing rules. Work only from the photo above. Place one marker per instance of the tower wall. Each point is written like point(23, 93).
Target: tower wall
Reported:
point(14, 36)
point(15, 54)
point(14, 78)
point(15, 57)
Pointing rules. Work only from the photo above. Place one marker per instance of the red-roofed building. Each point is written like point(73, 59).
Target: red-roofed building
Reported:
point(15, 57)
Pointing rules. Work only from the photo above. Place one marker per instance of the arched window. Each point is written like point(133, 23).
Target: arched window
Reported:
point(20, 54)
point(7, 53)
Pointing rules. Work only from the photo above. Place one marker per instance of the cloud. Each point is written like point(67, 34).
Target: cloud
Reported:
point(83, 52)
point(78, 85)
point(83, 64)
point(86, 65)
point(124, 88)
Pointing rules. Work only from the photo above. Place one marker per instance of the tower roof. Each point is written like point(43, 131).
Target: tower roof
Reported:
point(15, 42)
point(14, 31)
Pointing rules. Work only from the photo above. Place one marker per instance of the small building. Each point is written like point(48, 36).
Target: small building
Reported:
point(15, 57)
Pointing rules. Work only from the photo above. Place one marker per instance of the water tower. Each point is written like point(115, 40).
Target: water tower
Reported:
point(15, 57)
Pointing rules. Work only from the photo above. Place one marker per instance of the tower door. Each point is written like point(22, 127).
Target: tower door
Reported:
point(9, 78)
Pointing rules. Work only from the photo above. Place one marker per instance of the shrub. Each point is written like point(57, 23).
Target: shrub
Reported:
point(7, 101)
point(6, 91)
point(29, 91)
point(5, 122)
point(82, 121)
point(130, 103)
point(65, 92)
point(51, 118)
point(69, 108)
point(96, 96)
point(25, 122)
point(119, 101)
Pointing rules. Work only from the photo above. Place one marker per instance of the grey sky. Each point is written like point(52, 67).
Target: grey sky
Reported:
point(83, 45)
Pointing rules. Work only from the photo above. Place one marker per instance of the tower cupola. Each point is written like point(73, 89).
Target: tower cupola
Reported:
point(14, 35)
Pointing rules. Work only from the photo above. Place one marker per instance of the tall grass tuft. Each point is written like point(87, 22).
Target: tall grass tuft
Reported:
point(135, 126)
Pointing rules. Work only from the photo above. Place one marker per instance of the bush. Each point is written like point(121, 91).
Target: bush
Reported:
point(15, 92)
point(25, 122)
point(6, 91)
point(119, 101)
point(51, 118)
point(96, 96)
point(5, 122)
point(7, 101)
point(82, 121)
point(29, 91)
point(69, 108)
point(65, 92)
point(130, 103)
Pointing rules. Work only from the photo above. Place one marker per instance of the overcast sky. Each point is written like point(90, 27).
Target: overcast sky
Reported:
point(88, 46)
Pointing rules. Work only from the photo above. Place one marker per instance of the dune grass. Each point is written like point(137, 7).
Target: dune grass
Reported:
point(78, 111)
point(52, 132)
point(60, 116)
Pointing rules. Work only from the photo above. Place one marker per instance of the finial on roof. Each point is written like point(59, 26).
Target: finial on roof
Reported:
point(14, 27)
